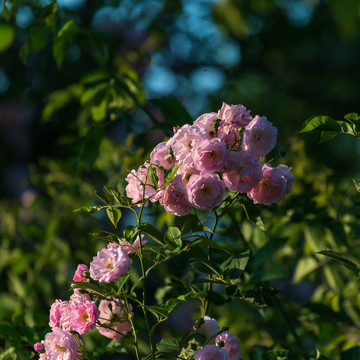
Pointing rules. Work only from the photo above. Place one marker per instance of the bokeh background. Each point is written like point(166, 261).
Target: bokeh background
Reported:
point(82, 104)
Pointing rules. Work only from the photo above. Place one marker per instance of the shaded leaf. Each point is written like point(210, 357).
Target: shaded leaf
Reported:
point(237, 267)
point(114, 215)
point(173, 237)
point(153, 233)
point(168, 345)
point(352, 263)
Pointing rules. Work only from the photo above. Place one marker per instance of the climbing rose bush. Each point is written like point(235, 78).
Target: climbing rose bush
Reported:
point(220, 153)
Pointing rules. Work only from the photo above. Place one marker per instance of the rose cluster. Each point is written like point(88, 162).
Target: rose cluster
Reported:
point(84, 311)
point(218, 151)
point(219, 345)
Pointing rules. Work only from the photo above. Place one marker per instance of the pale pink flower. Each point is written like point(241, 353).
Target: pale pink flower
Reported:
point(80, 273)
point(186, 170)
point(110, 264)
point(259, 136)
point(207, 327)
point(210, 155)
point(206, 121)
point(43, 356)
point(271, 188)
point(55, 314)
point(184, 140)
point(244, 171)
point(205, 191)
point(130, 249)
point(84, 316)
point(113, 314)
point(233, 119)
point(211, 352)
point(174, 198)
point(231, 344)
point(60, 345)
point(286, 173)
point(78, 297)
point(39, 347)
point(161, 155)
point(135, 187)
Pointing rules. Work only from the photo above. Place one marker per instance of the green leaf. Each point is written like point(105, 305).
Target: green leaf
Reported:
point(357, 185)
point(352, 263)
point(173, 237)
point(320, 122)
point(152, 174)
point(237, 267)
point(171, 303)
point(89, 209)
point(153, 233)
point(327, 136)
point(95, 76)
point(280, 354)
point(206, 267)
point(120, 199)
point(170, 174)
point(92, 92)
point(173, 111)
point(38, 39)
point(203, 241)
point(7, 36)
point(168, 345)
point(114, 215)
point(347, 128)
point(99, 111)
point(159, 311)
point(353, 117)
point(8, 331)
point(63, 41)
point(304, 266)
point(266, 251)
point(102, 197)
point(252, 213)
point(186, 223)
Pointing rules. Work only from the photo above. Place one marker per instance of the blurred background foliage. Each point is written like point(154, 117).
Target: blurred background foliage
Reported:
point(88, 88)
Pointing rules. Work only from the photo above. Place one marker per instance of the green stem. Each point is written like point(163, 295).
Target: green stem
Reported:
point(144, 293)
point(136, 346)
point(207, 303)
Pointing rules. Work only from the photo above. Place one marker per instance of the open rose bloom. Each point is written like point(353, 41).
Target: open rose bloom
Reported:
point(221, 151)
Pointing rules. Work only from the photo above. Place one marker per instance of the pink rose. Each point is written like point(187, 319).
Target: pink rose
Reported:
point(285, 172)
point(78, 297)
point(80, 273)
point(211, 352)
point(259, 136)
point(55, 314)
point(135, 187)
point(231, 344)
point(161, 156)
point(206, 121)
point(207, 327)
point(210, 155)
point(233, 119)
point(60, 345)
point(113, 314)
point(110, 264)
point(134, 247)
point(84, 316)
point(271, 188)
point(39, 347)
point(43, 356)
point(186, 170)
point(185, 139)
point(205, 191)
point(244, 171)
point(174, 198)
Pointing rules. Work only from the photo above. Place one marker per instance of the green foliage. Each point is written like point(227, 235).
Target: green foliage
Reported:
point(330, 128)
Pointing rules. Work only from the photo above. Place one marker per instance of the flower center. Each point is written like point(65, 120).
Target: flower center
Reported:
point(110, 265)
point(205, 190)
point(60, 348)
point(84, 316)
point(211, 154)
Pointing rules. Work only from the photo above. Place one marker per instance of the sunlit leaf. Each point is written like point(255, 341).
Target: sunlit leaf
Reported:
point(7, 36)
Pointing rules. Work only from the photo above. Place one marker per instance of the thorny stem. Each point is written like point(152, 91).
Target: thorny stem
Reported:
point(136, 346)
